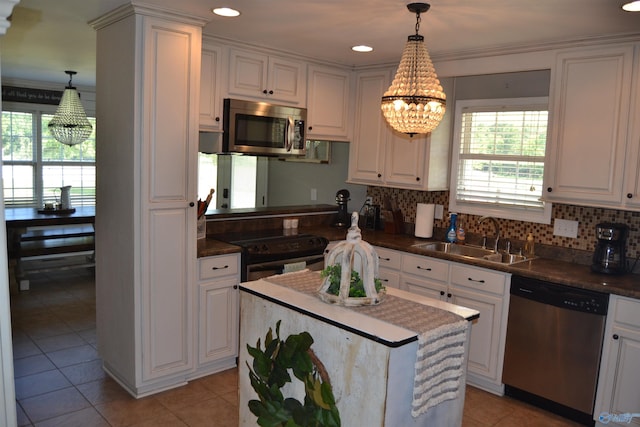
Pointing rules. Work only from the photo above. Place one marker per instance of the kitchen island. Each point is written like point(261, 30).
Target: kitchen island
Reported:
point(368, 353)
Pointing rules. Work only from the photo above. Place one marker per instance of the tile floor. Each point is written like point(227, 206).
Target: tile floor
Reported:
point(59, 380)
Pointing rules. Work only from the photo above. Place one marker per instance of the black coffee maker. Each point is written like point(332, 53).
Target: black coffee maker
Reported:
point(343, 219)
point(610, 254)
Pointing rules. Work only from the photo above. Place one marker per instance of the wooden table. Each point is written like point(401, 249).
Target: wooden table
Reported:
point(31, 233)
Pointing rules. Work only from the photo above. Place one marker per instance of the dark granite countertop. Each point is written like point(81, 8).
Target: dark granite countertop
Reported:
point(548, 269)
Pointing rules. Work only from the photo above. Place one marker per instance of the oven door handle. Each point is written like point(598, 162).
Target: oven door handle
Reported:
point(271, 265)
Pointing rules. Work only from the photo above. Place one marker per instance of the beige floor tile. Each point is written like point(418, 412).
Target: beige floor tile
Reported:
point(180, 397)
point(54, 404)
point(222, 382)
point(40, 383)
point(124, 412)
point(210, 413)
point(87, 417)
point(169, 420)
point(103, 391)
point(32, 365)
point(73, 355)
point(84, 372)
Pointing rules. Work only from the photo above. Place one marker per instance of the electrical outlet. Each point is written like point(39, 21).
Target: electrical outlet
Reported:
point(368, 200)
point(565, 228)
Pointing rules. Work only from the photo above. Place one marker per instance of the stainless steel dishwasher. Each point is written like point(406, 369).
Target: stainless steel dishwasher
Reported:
point(553, 346)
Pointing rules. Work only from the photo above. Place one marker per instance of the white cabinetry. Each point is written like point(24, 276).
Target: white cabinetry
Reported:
point(389, 264)
point(631, 192)
point(380, 156)
point(328, 95)
point(147, 99)
point(477, 288)
point(217, 322)
point(266, 77)
point(210, 88)
point(590, 103)
point(619, 380)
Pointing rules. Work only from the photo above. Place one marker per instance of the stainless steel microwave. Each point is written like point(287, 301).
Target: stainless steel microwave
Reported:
point(259, 128)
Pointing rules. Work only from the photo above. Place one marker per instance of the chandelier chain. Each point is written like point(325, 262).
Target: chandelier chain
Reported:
point(418, 19)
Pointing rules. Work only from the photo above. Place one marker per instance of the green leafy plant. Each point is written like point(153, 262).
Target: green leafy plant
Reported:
point(270, 373)
point(356, 286)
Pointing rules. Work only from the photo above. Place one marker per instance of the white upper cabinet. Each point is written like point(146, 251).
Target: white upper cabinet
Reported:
point(590, 103)
point(328, 103)
point(210, 88)
point(266, 77)
point(380, 156)
point(631, 192)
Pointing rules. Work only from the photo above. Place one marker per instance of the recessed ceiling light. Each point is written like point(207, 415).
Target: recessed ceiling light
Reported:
point(225, 11)
point(362, 48)
point(632, 6)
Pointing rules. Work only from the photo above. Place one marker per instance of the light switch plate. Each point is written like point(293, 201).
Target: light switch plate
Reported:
point(565, 228)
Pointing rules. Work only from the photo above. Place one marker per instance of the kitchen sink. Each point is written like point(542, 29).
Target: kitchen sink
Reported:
point(475, 252)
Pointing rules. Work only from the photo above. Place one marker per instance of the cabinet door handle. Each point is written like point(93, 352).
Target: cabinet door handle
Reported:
point(384, 259)
point(441, 292)
point(217, 119)
point(235, 286)
point(310, 128)
point(549, 189)
point(615, 336)
point(474, 280)
point(191, 204)
point(379, 175)
point(449, 295)
point(219, 268)
point(423, 268)
point(417, 178)
point(629, 196)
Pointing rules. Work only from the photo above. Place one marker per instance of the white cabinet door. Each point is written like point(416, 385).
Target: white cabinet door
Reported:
point(631, 192)
point(618, 383)
point(265, 77)
point(328, 95)
point(485, 332)
point(210, 86)
point(404, 161)
point(585, 157)
point(367, 151)
point(218, 321)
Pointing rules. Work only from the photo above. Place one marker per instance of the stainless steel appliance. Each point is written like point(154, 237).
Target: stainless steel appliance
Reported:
point(263, 129)
point(553, 346)
point(610, 254)
point(265, 253)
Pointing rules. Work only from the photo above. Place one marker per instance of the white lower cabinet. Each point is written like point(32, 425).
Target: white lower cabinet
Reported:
point(217, 318)
point(477, 288)
point(390, 262)
point(618, 395)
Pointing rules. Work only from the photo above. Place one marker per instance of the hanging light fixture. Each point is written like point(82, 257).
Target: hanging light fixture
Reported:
point(70, 125)
point(415, 102)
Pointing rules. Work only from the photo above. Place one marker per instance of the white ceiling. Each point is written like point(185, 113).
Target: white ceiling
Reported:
point(47, 37)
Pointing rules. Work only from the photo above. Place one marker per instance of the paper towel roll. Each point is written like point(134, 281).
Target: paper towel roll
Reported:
point(424, 220)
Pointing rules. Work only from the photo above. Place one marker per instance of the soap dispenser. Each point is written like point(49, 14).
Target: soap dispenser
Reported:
point(529, 247)
point(451, 231)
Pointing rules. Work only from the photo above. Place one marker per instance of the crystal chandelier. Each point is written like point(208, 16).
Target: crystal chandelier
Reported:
point(70, 125)
point(415, 101)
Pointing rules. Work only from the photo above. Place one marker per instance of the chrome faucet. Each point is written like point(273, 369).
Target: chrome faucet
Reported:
point(496, 226)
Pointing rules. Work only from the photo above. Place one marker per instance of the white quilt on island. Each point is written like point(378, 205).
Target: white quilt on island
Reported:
point(441, 334)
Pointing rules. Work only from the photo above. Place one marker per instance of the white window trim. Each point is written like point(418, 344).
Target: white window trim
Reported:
point(520, 214)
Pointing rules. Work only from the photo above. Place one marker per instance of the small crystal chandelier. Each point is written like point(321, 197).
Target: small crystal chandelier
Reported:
point(415, 102)
point(70, 125)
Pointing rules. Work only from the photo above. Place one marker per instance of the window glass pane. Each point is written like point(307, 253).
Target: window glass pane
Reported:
point(52, 150)
point(17, 136)
point(81, 178)
point(207, 177)
point(18, 185)
point(243, 181)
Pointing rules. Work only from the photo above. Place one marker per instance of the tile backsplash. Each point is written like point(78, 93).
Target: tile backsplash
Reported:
point(587, 218)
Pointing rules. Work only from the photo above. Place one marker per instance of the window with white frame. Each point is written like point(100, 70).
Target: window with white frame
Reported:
point(35, 165)
point(498, 158)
